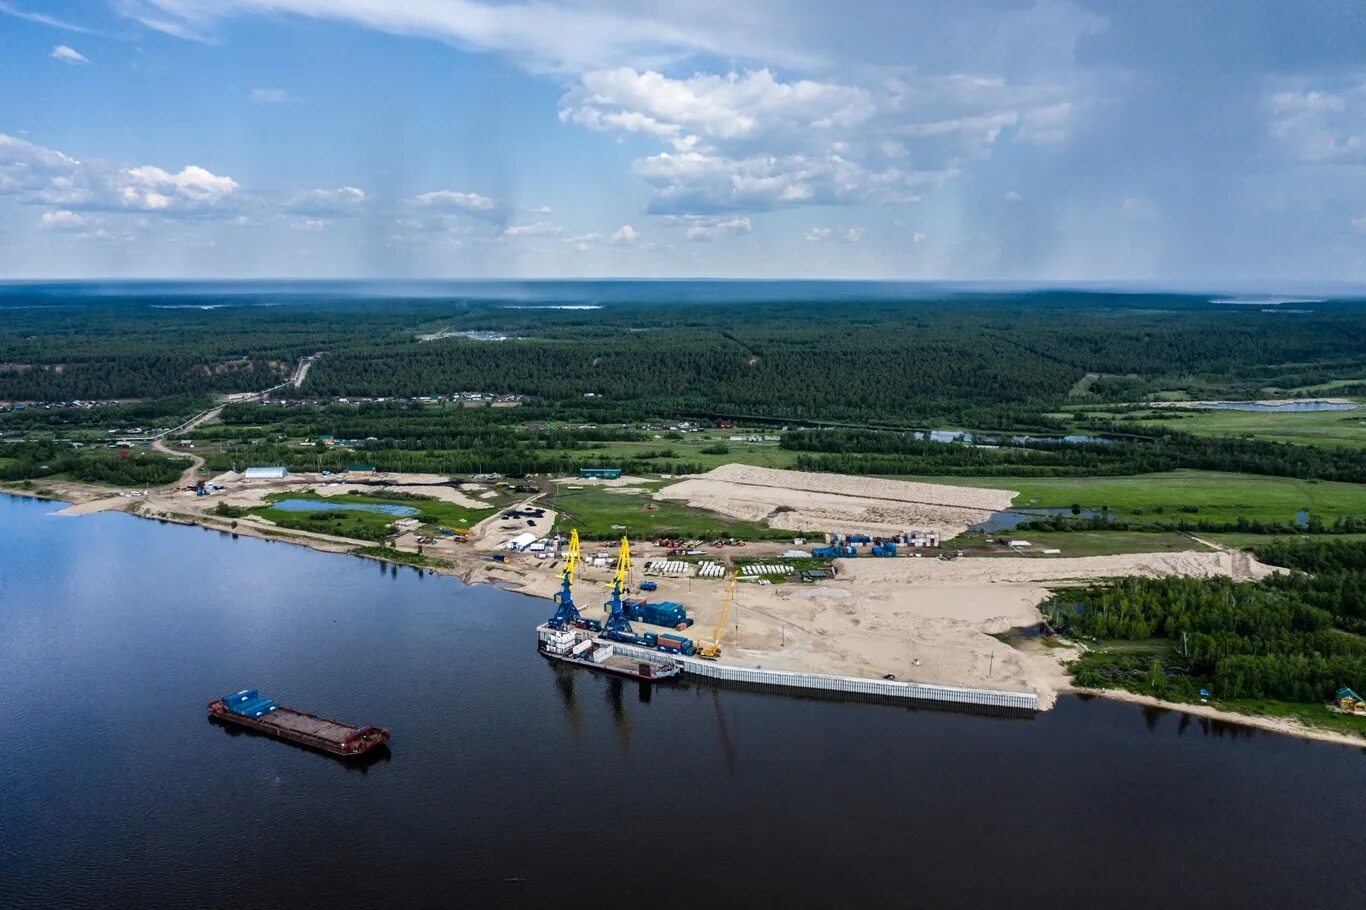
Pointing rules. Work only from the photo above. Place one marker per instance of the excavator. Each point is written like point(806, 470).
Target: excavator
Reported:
point(711, 650)
point(567, 614)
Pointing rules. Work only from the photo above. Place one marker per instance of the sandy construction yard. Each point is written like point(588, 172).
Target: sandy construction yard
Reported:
point(801, 501)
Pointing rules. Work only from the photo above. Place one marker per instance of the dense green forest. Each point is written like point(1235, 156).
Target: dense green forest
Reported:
point(849, 451)
point(1292, 638)
point(989, 360)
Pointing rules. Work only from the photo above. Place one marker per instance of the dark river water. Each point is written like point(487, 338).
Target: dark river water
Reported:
point(511, 782)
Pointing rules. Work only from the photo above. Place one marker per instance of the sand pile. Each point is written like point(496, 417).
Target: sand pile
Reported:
point(803, 501)
point(1019, 571)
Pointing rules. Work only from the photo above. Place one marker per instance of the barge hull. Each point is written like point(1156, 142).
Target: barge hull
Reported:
point(619, 666)
point(330, 736)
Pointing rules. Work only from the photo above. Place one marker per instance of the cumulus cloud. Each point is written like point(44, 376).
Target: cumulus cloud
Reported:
point(749, 142)
point(63, 220)
point(919, 237)
point(624, 236)
point(269, 95)
point(68, 55)
point(35, 174)
point(1320, 124)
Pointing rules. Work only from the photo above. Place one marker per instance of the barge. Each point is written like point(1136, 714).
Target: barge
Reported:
point(596, 654)
point(250, 709)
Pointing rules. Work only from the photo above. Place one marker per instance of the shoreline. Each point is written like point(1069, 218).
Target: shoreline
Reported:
point(465, 568)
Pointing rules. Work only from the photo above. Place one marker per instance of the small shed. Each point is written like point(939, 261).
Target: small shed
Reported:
point(277, 472)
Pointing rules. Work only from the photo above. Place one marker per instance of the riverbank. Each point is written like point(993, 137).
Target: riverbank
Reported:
point(1283, 725)
point(920, 620)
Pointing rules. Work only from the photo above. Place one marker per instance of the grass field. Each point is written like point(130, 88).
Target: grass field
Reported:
point(1311, 715)
point(363, 525)
point(1218, 496)
point(1078, 543)
point(600, 513)
point(1248, 541)
point(1321, 428)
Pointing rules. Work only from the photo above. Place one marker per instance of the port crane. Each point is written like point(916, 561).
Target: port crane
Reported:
point(617, 621)
point(710, 650)
point(566, 612)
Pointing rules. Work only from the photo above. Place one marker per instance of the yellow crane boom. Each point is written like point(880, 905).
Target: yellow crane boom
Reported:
point(621, 579)
point(571, 559)
point(712, 649)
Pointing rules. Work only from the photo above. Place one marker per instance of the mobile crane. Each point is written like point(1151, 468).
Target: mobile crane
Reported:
point(710, 650)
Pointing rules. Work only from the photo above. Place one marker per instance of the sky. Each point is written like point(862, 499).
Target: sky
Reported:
point(1171, 141)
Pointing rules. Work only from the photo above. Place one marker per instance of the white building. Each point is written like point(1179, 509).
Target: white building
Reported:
point(266, 473)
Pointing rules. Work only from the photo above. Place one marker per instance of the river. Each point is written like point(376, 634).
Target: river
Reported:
point(514, 782)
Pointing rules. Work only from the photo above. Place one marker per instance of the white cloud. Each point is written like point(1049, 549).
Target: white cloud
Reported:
point(541, 36)
point(153, 189)
point(1013, 196)
point(624, 236)
point(9, 9)
point(711, 107)
point(63, 220)
point(269, 95)
point(919, 237)
point(1321, 124)
point(310, 224)
point(747, 142)
point(541, 210)
point(538, 229)
point(68, 55)
point(706, 228)
point(455, 201)
point(343, 201)
point(35, 174)
point(842, 234)
point(1359, 223)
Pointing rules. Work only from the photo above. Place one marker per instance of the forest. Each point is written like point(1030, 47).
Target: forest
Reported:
point(1292, 638)
point(847, 451)
point(988, 360)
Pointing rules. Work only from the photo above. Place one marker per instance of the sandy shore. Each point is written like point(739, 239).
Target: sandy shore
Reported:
point(1283, 725)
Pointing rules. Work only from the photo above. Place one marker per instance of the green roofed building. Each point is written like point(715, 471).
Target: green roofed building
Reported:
point(600, 473)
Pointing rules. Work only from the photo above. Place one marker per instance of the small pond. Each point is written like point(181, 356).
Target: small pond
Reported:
point(1013, 518)
point(312, 505)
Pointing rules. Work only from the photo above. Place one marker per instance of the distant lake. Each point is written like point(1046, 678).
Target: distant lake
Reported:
point(313, 505)
point(1275, 408)
point(514, 782)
